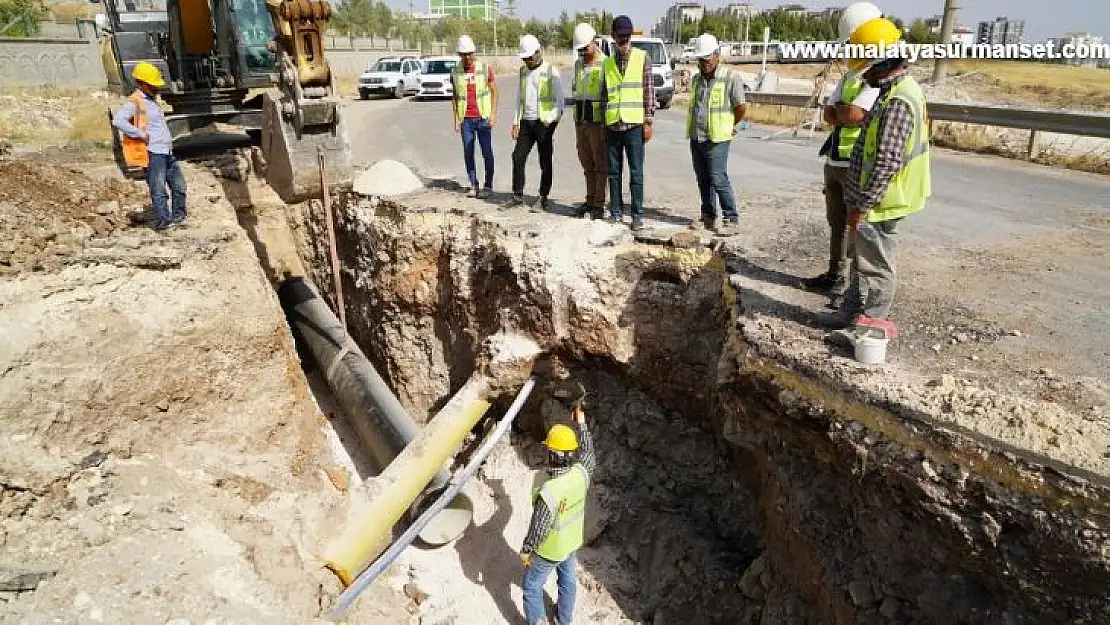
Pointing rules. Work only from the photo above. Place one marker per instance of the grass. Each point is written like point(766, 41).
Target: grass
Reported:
point(1037, 84)
point(981, 140)
point(87, 118)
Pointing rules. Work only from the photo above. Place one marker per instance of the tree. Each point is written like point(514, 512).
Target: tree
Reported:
point(920, 32)
point(21, 18)
point(383, 20)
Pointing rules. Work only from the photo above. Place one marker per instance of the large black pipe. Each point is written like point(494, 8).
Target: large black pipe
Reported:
point(382, 424)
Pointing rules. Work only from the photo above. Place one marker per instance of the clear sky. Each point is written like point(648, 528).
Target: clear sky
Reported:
point(1042, 18)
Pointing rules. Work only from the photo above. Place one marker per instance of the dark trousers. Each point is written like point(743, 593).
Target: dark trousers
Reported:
point(711, 170)
point(594, 158)
point(631, 143)
point(532, 132)
point(163, 170)
point(836, 212)
point(477, 128)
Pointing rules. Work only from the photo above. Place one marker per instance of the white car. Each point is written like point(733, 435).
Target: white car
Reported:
point(392, 75)
point(662, 65)
point(435, 79)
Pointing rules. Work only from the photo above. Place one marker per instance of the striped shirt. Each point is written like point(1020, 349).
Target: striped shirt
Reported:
point(895, 127)
point(542, 516)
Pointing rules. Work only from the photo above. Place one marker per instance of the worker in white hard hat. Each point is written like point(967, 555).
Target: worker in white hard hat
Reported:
point(716, 106)
point(475, 112)
point(845, 111)
point(589, 120)
point(539, 107)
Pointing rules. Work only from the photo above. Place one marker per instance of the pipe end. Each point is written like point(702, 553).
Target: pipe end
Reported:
point(450, 523)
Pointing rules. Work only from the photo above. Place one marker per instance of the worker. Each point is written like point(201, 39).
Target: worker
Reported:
point(475, 112)
point(147, 143)
point(629, 115)
point(716, 107)
point(557, 529)
point(539, 108)
point(589, 121)
point(846, 108)
point(889, 178)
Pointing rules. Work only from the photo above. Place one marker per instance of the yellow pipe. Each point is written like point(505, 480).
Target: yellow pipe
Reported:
point(405, 478)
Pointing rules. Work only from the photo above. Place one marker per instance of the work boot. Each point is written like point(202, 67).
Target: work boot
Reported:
point(541, 205)
point(637, 224)
point(824, 283)
point(514, 202)
point(472, 192)
point(729, 228)
point(616, 220)
point(844, 337)
point(582, 209)
point(484, 193)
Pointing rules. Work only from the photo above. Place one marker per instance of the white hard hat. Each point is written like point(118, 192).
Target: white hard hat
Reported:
point(705, 46)
point(529, 45)
point(854, 16)
point(466, 45)
point(583, 35)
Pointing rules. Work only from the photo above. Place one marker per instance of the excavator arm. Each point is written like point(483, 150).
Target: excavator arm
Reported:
point(303, 119)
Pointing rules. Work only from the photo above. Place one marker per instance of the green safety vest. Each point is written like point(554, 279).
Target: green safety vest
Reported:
point(587, 86)
point(565, 497)
point(549, 112)
point(912, 185)
point(481, 90)
point(846, 136)
point(721, 117)
point(625, 98)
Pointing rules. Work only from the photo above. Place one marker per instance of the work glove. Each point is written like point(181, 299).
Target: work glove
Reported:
point(526, 560)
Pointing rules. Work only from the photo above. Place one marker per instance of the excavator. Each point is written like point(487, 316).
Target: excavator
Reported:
point(254, 64)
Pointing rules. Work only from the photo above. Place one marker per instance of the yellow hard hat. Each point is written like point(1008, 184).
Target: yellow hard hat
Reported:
point(149, 74)
point(561, 438)
point(879, 32)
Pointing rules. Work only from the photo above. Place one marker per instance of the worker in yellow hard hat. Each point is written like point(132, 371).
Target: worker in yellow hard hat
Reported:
point(889, 178)
point(558, 520)
point(146, 143)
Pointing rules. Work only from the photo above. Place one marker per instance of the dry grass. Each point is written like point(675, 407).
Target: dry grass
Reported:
point(1037, 84)
point(986, 140)
point(55, 116)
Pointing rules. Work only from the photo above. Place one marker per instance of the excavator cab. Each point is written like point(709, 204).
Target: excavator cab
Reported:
point(222, 60)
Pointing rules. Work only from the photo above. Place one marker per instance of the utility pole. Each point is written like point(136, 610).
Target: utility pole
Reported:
point(940, 67)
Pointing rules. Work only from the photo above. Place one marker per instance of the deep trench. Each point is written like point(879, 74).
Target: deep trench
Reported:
point(719, 497)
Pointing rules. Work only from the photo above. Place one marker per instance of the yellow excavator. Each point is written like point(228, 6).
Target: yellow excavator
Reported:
point(222, 60)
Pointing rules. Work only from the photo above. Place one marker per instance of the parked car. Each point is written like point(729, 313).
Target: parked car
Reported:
point(392, 75)
point(435, 81)
point(662, 65)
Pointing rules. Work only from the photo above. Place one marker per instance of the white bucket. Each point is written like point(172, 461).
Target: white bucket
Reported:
point(871, 350)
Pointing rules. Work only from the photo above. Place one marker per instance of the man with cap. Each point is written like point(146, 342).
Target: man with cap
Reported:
point(539, 108)
point(147, 144)
point(716, 107)
point(475, 112)
point(589, 120)
point(889, 178)
point(629, 114)
point(557, 529)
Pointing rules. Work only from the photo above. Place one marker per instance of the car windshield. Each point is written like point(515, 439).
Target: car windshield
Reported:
point(439, 67)
point(654, 51)
point(387, 66)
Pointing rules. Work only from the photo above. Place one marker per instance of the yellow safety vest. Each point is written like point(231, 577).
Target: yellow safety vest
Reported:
point(846, 136)
point(912, 185)
point(587, 85)
point(625, 98)
point(549, 112)
point(481, 90)
point(721, 116)
point(565, 497)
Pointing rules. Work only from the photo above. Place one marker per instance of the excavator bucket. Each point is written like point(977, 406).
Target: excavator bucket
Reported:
point(292, 161)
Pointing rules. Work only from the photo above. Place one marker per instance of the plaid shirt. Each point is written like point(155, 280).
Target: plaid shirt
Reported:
point(542, 516)
point(649, 91)
point(895, 127)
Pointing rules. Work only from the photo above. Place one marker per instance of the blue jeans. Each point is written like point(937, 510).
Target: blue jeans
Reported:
point(473, 127)
point(711, 170)
point(163, 170)
point(630, 142)
point(534, 578)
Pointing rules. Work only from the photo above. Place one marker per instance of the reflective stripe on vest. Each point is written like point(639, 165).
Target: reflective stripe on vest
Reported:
point(846, 136)
point(587, 86)
point(565, 496)
point(545, 97)
point(912, 185)
point(134, 150)
point(720, 117)
point(625, 98)
point(481, 90)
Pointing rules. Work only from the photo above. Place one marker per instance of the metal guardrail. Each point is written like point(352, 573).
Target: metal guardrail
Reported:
point(1036, 120)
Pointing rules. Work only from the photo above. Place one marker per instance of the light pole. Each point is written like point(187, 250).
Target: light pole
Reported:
point(940, 67)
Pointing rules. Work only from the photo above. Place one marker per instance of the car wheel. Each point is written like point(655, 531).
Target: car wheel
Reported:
point(364, 94)
point(665, 104)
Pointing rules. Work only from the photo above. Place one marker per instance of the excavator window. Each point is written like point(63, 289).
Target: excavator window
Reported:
point(256, 30)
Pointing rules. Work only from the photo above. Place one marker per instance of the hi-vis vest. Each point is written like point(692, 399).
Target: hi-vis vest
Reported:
point(625, 96)
point(587, 86)
point(565, 497)
point(134, 150)
point(912, 185)
point(549, 112)
point(720, 117)
point(481, 90)
point(846, 136)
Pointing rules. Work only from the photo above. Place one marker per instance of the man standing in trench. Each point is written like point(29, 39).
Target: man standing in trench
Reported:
point(557, 529)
